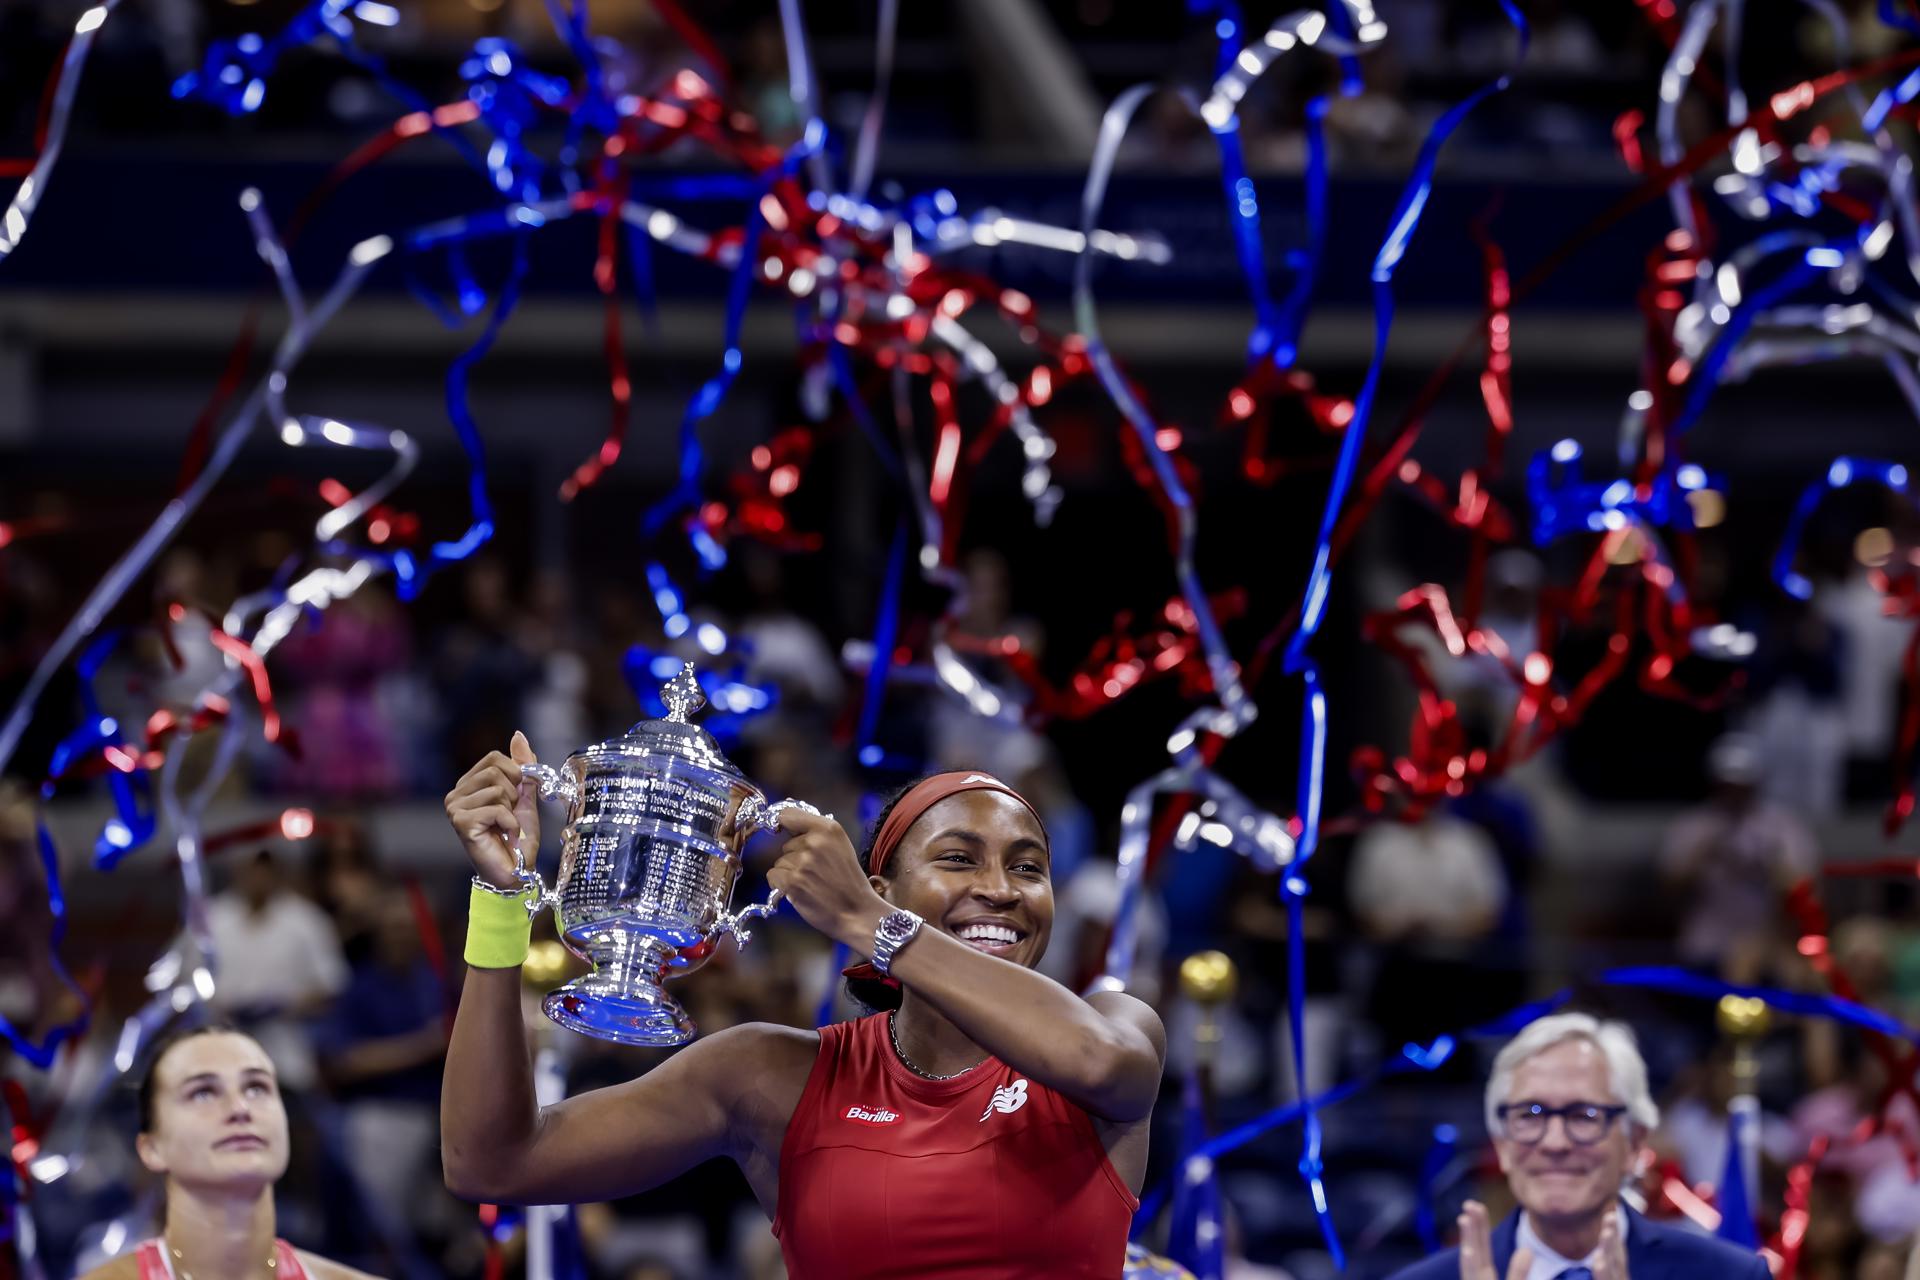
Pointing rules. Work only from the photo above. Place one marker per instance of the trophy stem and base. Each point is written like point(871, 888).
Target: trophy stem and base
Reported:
point(622, 999)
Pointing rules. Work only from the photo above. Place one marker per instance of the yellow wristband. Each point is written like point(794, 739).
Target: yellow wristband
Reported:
point(499, 930)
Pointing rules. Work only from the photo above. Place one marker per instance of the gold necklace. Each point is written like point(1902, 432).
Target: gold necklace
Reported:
point(180, 1261)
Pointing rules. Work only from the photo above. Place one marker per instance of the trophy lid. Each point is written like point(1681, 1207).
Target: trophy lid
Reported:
point(682, 695)
point(676, 735)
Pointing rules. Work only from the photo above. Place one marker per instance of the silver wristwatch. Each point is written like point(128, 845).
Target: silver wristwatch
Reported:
point(895, 930)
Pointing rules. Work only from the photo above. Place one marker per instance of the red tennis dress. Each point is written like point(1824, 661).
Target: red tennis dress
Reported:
point(155, 1265)
point(884, 1173)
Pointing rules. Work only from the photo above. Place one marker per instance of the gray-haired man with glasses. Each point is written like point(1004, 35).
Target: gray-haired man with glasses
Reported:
point(1569, 1112)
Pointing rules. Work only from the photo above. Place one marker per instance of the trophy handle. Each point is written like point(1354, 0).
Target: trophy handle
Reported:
point(758, 911)
point(554, 785)
point(757, 815)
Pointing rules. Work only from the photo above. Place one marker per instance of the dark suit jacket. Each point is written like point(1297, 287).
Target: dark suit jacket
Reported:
point(1654, 1252)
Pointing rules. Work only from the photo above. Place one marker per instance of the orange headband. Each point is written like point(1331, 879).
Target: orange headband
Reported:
point(907, 810)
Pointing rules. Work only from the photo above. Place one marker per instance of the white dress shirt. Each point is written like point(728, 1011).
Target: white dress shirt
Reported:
point(281, 957)
point(1547, 1264)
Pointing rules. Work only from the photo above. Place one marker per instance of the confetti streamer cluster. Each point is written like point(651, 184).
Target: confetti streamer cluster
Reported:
point(888, 331)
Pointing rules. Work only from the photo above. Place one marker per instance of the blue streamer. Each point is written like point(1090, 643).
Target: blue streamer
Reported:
point(1239, 1136)
point(1841, 473)
point(1411, 1057)
point(685, 494)
point(40, 1054)
point(134, 821)
point(1706, 376)
point(1736, 1200)
point(424, 294)
point(1243, 205)
point(1298, 660)
point(1305, 261)
point(686, 491)
point(886, 628)
point(595, 108)
point(1440, 1153)
point(1196, 1235)
point(708, 398)
point(1894, 16)
point(507, 92)
point(1887, 99)
point(233, 74)
point(1351, 81)
point(569, 1247)
point(132, 825)
point(14, 1186)
point(1406, 221)
point(1565, 502)
point(640, 249)
point(702, 187)
point(1276, 330)
point(1312, 1166)
point(1809, 1005)
point(841, 365)
point(1228, 28)
point(411, 572)
point(732, 699)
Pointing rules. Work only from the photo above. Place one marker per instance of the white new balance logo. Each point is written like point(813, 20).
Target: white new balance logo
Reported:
point(882, 1116)
point(1007, 1099)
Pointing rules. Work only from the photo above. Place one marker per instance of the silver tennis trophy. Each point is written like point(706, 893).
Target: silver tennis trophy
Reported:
point(657, 822)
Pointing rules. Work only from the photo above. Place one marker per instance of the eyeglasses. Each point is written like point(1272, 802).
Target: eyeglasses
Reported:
point(1586, 1122)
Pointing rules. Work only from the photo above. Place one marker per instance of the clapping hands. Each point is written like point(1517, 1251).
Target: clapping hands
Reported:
point(1476, 1249)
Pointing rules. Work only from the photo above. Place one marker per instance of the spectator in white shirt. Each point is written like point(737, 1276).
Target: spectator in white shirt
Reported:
point(276, 962)
point(1733, 859)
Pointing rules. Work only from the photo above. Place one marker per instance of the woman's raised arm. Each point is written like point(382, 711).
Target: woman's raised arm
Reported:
point(498, 1143)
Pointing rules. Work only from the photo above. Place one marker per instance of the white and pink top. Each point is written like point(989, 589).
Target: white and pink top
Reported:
point(156, 1265)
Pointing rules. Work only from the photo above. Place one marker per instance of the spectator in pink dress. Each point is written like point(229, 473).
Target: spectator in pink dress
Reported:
point(338, 678)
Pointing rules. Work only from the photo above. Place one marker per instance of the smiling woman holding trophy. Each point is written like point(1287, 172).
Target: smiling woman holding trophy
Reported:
point(985, 1122)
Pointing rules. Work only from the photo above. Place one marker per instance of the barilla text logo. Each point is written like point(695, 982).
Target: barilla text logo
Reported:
point(882, 1116)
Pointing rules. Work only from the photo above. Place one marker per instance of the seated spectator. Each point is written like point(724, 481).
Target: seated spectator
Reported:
point(276, 962)
point(346, 882)
point(1569, 1112)
point(1428, 895)
point(380, 1049)
point(340, 678)
point(481, 668)
point(1734, 857)
point(1797, 712)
